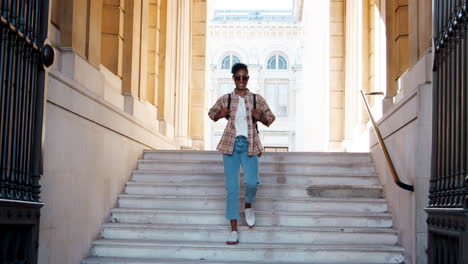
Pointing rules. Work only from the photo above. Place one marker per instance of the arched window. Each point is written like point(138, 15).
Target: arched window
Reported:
point(228, 61)
point(277, 62)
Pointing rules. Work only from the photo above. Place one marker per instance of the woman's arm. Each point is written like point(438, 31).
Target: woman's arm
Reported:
point(218, 110)
point(266, 116)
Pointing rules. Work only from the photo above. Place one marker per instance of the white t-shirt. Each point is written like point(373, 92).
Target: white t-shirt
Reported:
point(241, 119)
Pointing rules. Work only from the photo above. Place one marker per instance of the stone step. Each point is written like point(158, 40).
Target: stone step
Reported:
point(263, 218)
point(262, 203)
point(313, 157)
point(111, 260)
point(284, 235)
point(301, 253)
point(217, 166)
point(271, 177)
point(278, 190)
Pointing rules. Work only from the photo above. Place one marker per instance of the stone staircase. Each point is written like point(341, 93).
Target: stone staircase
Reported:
point(310, 208)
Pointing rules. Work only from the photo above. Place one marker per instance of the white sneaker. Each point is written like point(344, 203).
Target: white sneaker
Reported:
point(249, 217)
point(233, 238)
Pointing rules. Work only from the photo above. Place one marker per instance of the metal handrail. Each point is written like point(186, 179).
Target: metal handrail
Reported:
point(383, 147)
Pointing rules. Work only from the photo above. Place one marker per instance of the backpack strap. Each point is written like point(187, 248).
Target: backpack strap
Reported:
point(255, 107)
point(229, 105)
point(255, 101)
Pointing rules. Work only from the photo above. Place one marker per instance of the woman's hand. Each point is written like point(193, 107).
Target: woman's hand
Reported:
point(222, 114)
point(255, 114)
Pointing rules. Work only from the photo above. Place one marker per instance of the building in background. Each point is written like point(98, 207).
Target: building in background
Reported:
point(270, 43)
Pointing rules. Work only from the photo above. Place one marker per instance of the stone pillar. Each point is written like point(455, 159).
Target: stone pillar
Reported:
point(183, 65)
point(145, 8)
point(397, 45)
point(153, 50)
point(197, 78)
point(420, 29)
point(94, 43)
point(312, 125)
point(73, 25)
point(354, 67)
point(167, 122)
point(337, 74)
point(131, 54)
point(161, 83)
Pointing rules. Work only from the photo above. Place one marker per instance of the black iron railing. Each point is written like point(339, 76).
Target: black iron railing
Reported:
point(448, 194)
point(23, 29)
point(22, 99)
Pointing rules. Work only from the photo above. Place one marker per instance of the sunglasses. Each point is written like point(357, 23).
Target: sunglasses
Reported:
point(241, 78)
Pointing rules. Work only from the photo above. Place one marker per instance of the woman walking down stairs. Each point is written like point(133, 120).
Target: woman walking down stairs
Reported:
point(310, 208)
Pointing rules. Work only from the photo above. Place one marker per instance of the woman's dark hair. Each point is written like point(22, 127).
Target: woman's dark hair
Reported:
point(238, 66)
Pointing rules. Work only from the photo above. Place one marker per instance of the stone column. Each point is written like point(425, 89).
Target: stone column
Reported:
point(337, 74)
point(131, 54)
point(197, 78)
point(312, 125)
point(183, 65)
point(168, 114)
point(94, 43)
point(154, 38)
point(353, 67)
point(73, 25)
point(142, 92)
point(161, 82)
point(420, 29)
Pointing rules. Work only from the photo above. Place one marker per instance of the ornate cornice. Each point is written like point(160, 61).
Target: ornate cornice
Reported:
point(248, 29)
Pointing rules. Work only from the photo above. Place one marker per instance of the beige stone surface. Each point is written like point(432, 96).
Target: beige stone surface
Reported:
point(336, 100)
point(152, 38)
point(336, 81)
point(337, 46)
point(85, 168)
point(337, 64)
point(406, 128)
point(425, 26)
point(402, 49)
point(144, 50)
point(336, 124)
point(151, 88)
point(337, 11)
point(401, 24)
point(413, 25)
point(199, 45)
point(199, 28)
point(336, 28)
point(197, 75)
point(91, 147)
point(337, 71)
point(55, 11)
point(73, 25)
point(109, 52)
point(111, 18)
point(94, 42)
point(131, 49)
point(112, 88)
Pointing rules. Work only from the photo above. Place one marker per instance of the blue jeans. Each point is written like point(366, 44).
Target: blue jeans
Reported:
point(231, 171)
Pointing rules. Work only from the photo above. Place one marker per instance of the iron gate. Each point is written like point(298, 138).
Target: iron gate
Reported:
point(448, 194)
point(23, 29)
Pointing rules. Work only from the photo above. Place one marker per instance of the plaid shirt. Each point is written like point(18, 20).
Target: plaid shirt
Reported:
point(226, 144)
